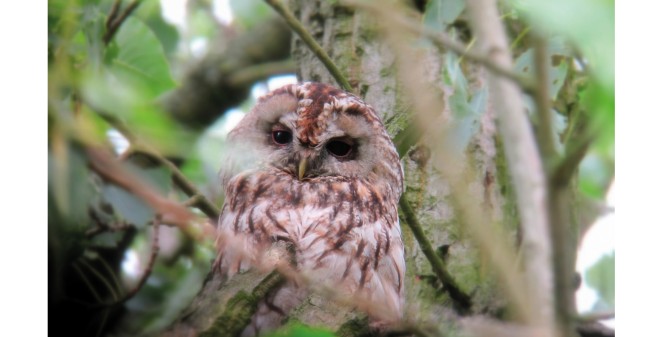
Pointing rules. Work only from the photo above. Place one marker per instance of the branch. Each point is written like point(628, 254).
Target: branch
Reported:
point(522, 156)
point(112, 24)
point(154, 251)
point(297, 27)
point(459, 296)
point(241, 307)
point(107, 167)
point(544, 130)
point(445, 42)
point(254, 73)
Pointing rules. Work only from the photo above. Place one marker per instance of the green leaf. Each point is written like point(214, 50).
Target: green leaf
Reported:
point(441, 13)
point(69, 185)
point(595, 173)
point(601, 277)
point(141, 57)
point(124, 95)
point(599, 101)
point(466, 108)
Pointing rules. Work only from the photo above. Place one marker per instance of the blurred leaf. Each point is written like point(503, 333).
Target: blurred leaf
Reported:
point(557, 53)
point(599, 101)
point(151, 14)
point(590, 24)
point(297, 330)
point(69, 183)
point(192, 168)
point(127, 206)
point(466, 108)
point(248, 13)
point(141, 55)
point(441, 13)
point(595, 175)
point(601, 277)
point(124, 95)
point(202, 23)
point(136, 74)
point(131, 208)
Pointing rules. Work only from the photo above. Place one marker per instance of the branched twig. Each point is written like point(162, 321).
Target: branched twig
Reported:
point(444, 41)
point(154, 251)
point(297, 27)
point(459, 296)
point(114, 22)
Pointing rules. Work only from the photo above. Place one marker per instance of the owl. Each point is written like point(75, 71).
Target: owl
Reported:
point(312, 166)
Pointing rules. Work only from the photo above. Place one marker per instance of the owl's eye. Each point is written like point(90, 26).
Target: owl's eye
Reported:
point(281, 137)
point(339, 148)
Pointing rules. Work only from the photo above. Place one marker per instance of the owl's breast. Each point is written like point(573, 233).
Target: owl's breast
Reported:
point(344, 231)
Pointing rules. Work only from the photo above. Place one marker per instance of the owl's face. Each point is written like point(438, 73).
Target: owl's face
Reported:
point(313, 130)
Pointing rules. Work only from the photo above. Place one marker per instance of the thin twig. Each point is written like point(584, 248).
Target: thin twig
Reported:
point(113, 25)
point(544, 131)
point(558, 196)
point(102, 227)
point(444, 41)
point(438, 266)
point(113, 291)
point(297, 27)
point(154, 251)
point(193, 200)
point(113, 12)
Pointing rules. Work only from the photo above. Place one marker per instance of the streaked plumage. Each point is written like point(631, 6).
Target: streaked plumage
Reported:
point(338, 212)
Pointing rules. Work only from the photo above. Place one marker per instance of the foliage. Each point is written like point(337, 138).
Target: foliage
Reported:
point(98, 88)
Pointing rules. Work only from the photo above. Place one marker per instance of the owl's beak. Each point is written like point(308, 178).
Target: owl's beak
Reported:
point(301, 168)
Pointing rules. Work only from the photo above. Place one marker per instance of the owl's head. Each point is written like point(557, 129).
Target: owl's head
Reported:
point(313, 130)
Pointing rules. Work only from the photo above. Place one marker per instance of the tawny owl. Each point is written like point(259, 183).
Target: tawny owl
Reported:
point(313, 166)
